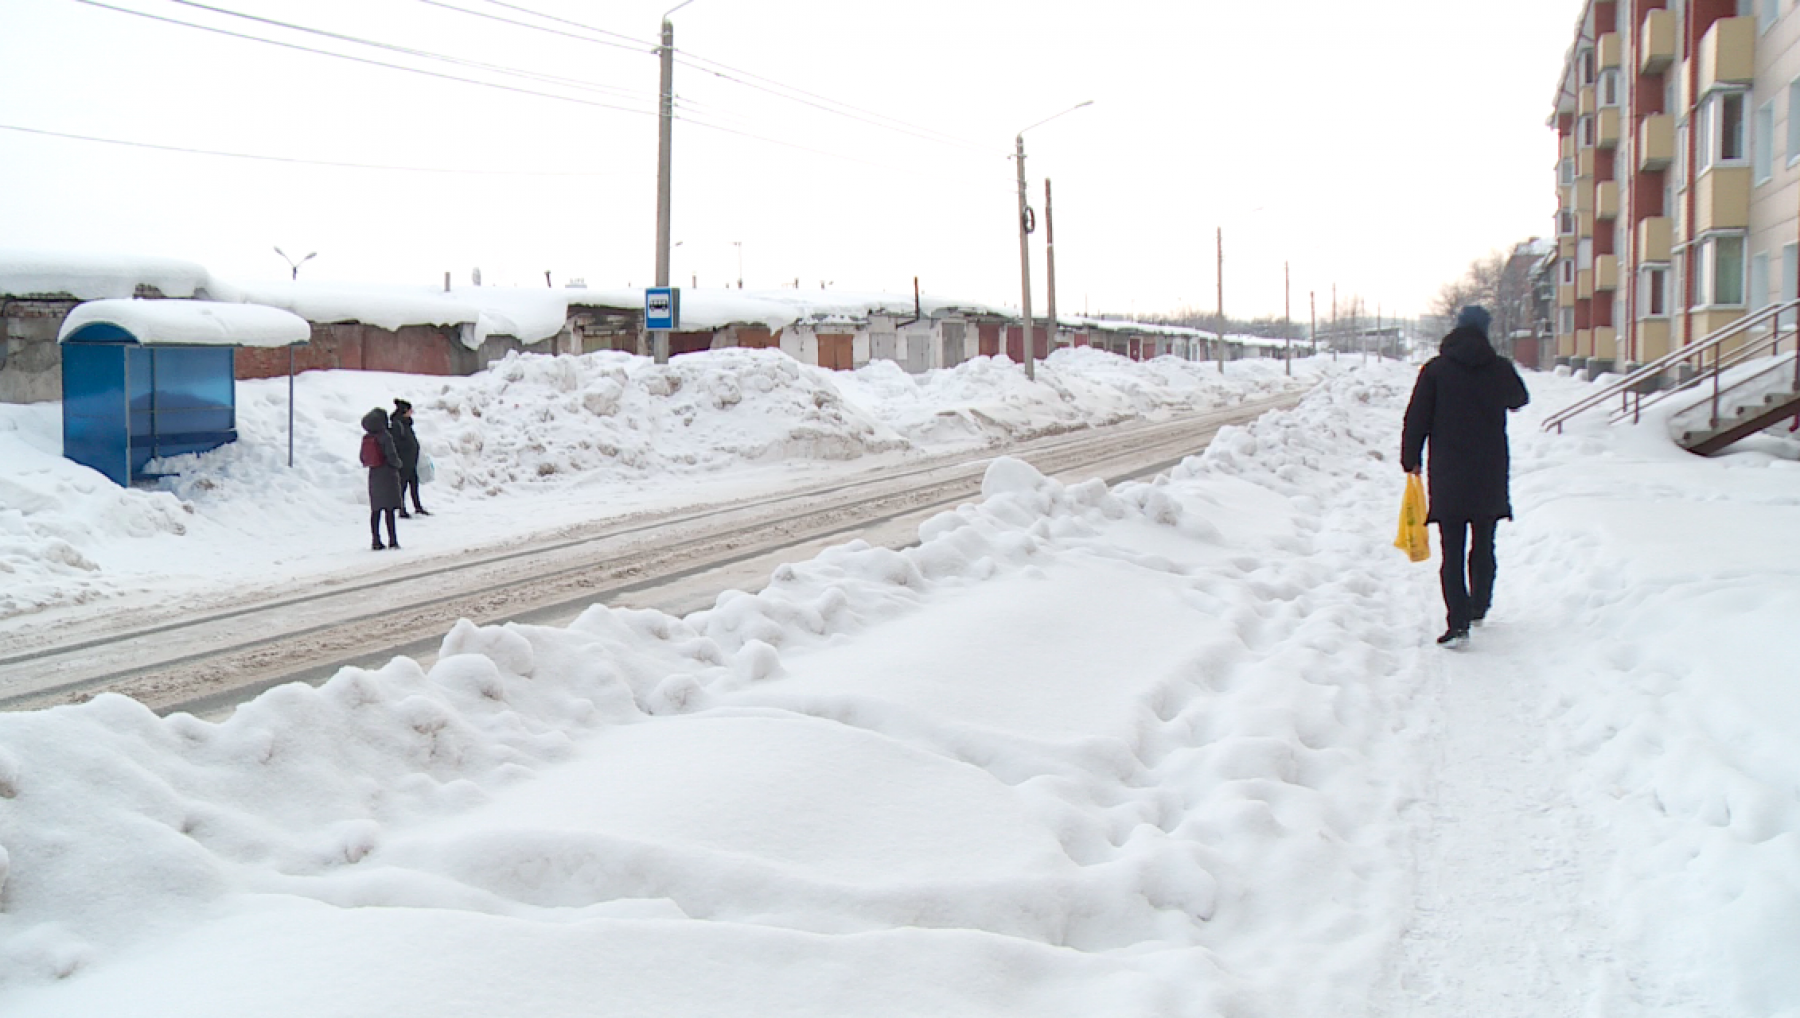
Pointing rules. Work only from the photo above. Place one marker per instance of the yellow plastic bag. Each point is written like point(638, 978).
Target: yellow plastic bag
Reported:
point(1413, 538)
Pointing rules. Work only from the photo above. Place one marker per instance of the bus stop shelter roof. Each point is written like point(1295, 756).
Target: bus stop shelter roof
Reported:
point(183, 323)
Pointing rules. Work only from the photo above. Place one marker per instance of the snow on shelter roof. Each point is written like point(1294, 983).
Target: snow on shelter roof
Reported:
point(186, 323)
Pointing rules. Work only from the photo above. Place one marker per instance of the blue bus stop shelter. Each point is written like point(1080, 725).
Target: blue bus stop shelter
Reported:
point(147, 379)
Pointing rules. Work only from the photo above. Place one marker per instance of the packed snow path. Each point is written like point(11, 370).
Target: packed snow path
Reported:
point(1175, 748)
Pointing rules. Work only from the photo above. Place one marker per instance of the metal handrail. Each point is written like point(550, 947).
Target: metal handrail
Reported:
point(1741, 383)
point(1634, 406)
point(1628, 384)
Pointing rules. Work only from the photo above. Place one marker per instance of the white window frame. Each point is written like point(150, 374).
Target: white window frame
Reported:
point(1566, 171)
point(1762, 143)
point(1565, 222)
point(1756, 286)
point(1706, 273)
point(1568, 272)
point(1584, 254)
point(1649, 275)
point(1793, 121)
point(1584, 132)
point(1565, 321)
point(1607, 90)
point(1585, 63)
point(1711, 132)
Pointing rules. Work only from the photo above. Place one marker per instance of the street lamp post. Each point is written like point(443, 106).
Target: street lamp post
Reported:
point(740, 253)
point(1026, 225)
point(293, 265)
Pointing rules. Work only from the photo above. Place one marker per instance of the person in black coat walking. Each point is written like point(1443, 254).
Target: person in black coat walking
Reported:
point(1459, 405)
point(400, 425)
point(383, 461)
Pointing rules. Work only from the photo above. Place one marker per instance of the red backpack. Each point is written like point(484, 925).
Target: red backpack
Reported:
point(371, 452)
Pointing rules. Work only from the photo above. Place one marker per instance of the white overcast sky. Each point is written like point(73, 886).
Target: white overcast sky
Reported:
point(1380, 146)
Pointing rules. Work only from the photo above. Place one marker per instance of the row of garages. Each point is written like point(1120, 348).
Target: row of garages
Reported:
point(449, 330)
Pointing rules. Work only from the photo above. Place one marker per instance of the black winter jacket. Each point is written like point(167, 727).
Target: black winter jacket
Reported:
point(1459, 405)
point(406, 443)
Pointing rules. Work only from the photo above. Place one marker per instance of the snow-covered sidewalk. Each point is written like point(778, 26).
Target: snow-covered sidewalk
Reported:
point(1178, 748)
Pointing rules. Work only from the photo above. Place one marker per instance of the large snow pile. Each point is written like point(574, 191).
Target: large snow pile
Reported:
point(529, 442)
point(1174, 748)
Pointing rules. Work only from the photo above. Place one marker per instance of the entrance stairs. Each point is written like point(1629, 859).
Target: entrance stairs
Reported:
point(1746, 375)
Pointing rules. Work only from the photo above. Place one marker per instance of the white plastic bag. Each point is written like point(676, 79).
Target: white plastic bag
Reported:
point(427, 469)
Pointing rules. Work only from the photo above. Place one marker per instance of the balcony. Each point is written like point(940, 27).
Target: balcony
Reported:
point(1584, 165)
point(1584, 222)
point(1584, 199)
point(1656, 141)
point(1587, 102)
point(1722, 199)
point(1584, 284)
point(1565, 247)
point(1656, 41)
point(1728, 53)
point(1654, 239)
point(1565, 296)
point(1606, 200)
point(1566, 147)
point(1606, 272)
point(1606, 53)
point(1606, 128)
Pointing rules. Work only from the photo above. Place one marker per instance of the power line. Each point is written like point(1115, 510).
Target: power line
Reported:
point(426, 54)
point(577, 24)
point(697, 62)
point(290, 159)
point(732, 74)
point(640, 47)
point(364, 60)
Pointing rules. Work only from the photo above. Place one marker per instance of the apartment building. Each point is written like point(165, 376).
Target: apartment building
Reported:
point(1678, 182)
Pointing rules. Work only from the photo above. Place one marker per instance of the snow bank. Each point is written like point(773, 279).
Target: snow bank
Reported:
point(563, 434)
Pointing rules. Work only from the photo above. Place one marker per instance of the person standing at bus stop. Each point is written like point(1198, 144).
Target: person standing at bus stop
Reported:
point(406, 443)
point(1459, 406)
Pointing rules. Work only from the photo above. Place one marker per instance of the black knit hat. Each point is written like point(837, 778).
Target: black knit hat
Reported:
point(402, 406)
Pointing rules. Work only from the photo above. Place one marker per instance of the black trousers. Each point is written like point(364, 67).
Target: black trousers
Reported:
point(409, 482)
point(1467, 594)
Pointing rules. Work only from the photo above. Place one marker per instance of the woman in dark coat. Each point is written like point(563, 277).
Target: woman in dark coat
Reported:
point(406, 443)
point(1459, 406)
point(384, 477)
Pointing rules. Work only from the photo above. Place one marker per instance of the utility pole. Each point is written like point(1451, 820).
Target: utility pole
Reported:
point(1049, 268)
point(1287, 316)
point(1025, 225)
point(659, 340)
point(1312, 320)
point(1219, 351)
point(1334, 322)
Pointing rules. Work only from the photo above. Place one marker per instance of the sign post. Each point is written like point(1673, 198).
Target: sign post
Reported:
point(662, 315)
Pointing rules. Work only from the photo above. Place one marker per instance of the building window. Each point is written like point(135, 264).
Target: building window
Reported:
point(1584, 132)
point(1762, 143)
point(1584, 253)
point(1568, 272)
point(1566, 172)
point(1790, 272)
point(1587, 66)
point(1609, 87)
point(1653, 291)
point(1680, 163)
point(1565, 223)
point(1759, 281)
point(1565, 321)
point(1719, 271)
point(1719, 132)
point(1793, 122)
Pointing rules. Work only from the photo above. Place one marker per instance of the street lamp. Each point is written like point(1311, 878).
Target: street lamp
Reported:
point(740, 253)
point(1027, 223)
point(293, 265)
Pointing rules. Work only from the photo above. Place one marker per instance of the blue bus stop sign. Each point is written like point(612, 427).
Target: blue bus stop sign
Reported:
point(662, 308)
